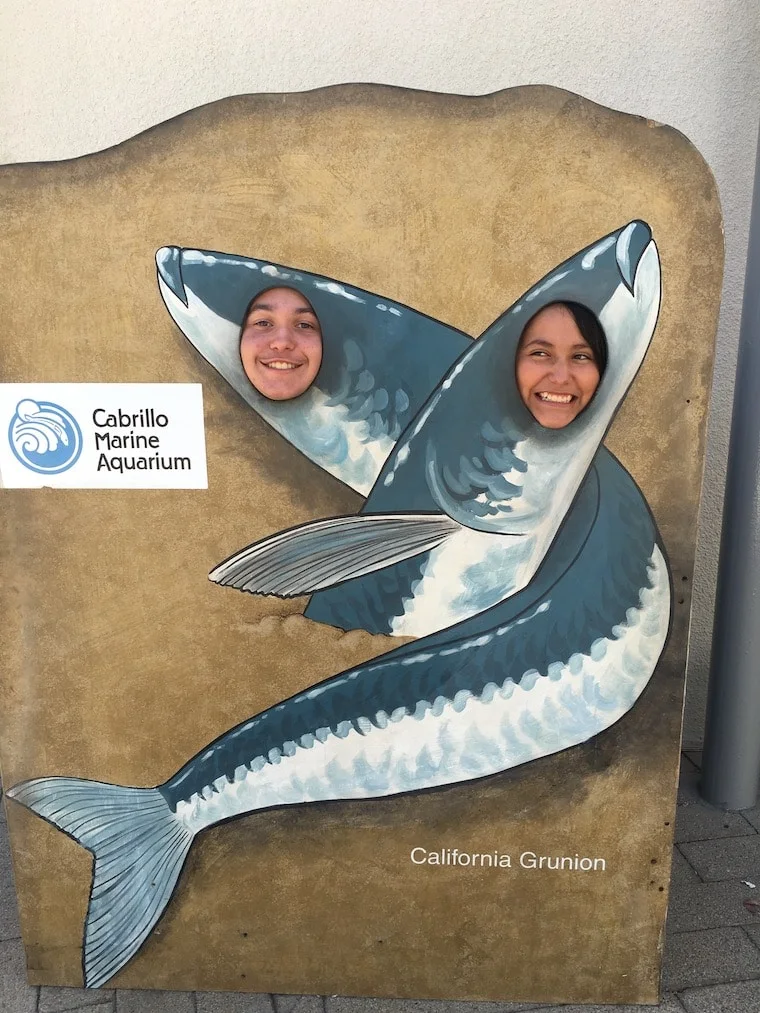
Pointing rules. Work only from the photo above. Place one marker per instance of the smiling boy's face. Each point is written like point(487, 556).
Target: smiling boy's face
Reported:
point(281, 344)
point(555, 369)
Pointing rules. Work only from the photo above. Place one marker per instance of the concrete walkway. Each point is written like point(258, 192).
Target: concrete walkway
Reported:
point(712, 952)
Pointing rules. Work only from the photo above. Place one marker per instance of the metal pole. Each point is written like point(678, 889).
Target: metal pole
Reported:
point(731, 764)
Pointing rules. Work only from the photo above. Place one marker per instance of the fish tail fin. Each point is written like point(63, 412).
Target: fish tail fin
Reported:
point(139, 847)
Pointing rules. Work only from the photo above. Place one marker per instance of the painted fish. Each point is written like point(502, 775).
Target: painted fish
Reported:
point(559, 660)
point(466, 490)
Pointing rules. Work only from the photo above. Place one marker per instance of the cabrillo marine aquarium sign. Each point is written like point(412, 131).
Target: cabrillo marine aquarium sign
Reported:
point(383, 624)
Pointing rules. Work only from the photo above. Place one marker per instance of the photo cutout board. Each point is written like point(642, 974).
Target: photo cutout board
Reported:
point(351, 449)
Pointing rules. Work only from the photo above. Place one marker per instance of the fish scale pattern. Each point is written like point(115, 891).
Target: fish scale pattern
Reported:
point(480, 481)
point(522, 637)
point(370, 602)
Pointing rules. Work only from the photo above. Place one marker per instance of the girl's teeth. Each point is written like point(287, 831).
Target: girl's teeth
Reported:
point(556, 398)
point(281, 365)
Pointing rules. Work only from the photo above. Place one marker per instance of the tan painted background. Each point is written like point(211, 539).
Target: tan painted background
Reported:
point(123, 660)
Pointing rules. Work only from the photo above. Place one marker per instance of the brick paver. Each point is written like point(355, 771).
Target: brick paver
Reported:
point(682, 875)
point(58, 1000)
point(236, 1002)
point(752, 816)
point(9, 926)
point(669, 1004)
point(106, 1005)
point(299, 1003)
point(700, 823)
point(708, 957)
point(340, 1004)
point(735, 858)
point(744, 997)
point(149, 1001)
point(698, 905)
point(688, 784)
point(15, 995)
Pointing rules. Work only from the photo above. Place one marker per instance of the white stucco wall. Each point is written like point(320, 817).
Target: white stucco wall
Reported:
point(80, 75)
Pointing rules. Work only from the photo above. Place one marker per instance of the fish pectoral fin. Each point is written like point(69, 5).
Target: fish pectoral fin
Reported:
point(324, 553)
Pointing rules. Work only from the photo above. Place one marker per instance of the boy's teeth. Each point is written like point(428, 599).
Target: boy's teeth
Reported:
point(556, 398)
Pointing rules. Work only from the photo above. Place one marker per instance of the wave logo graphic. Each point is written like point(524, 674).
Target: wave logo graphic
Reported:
point(45, 437)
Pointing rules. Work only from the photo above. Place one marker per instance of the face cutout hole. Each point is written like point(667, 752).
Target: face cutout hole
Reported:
point(281, 343)
point(561, 358)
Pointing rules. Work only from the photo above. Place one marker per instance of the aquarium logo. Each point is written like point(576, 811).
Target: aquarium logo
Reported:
point(44, 437)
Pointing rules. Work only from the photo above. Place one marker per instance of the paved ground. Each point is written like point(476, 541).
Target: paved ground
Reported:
point(712, 953)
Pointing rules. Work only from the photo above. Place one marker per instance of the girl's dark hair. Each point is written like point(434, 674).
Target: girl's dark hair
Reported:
point(592, 331)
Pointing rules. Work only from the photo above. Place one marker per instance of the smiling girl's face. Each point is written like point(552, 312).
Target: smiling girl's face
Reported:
point(281, 344)
point(555, 368)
